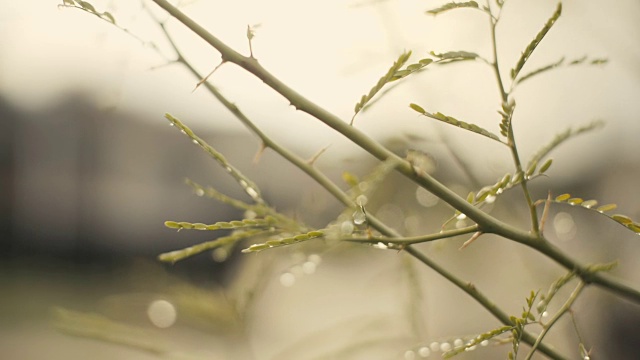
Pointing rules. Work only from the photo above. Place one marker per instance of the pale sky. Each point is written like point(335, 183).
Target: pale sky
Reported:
point(333, 52)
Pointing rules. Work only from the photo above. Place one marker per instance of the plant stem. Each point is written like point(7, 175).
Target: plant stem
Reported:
point(347, 201)
point(484, 301)
point(403, 241)
point(487, 223)
point(565, 307)
point(511, 138)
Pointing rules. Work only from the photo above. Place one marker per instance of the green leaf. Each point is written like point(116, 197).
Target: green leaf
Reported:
point(87, 6)
point(107, 15)
point(532, 168)
point(605, 208)
point(622, 219)
point(284, 241)
point(453, 5)
point(247, 185)
point(455, 122)
point(388, 77)
point(178, 255)
point(560, 63)
point(590, 205)
point(575, 201)
point(238, 224)
point(454, 56)
point(545, 166)
point(539, 71)
point(417, 108)
point(410, 69)
point(561, 138)
point(535, 42)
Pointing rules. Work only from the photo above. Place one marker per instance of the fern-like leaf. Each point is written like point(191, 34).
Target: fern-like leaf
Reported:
point(455, 56)
point(603, 209)
point(561, 138)
point(412, 68)
point(402, 59)
point(455, 122)
point(236, 224)
point(284, 241)
point(535, 42)
point(560, 63)
point(177, 255)
point(249, 186)
point(453, 5)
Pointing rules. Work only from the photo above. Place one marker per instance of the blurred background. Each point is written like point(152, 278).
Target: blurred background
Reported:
point(90, 170)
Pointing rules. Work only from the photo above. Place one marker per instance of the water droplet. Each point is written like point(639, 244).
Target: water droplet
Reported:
point(461, 217)
point(184, 132)
point(171, 124)
point(287, 279)
point(409, 355)
point(363, 186)
point(564, 226)
point(484, 343)
point(195, 141)
point(162, 313)
point(380, 245)
point(434, 346)
point(296, 270)
point(359, 217)
point(490, 199)
point(471, 348)
point(252, 192)
point(346, 228)
point(309, 267)
point(460, 224)
point(250, 214)
point(458, 343)
point(424, 352)
point(315, 258)
point(412, 224)
point(545, 314)
point(362, 200)
point(445, 346)
point(425, 198)
point(199, 192)
point(220, 255)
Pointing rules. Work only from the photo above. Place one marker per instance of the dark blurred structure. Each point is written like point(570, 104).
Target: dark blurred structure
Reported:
point(85, 188)
point(81, 185)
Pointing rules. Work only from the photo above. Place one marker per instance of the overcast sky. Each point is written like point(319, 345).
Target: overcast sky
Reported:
point(333, 51)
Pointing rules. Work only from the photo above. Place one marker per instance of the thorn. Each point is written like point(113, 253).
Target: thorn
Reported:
point(207, 77)
point(472, 239)
point(315, 157)
point(259, 153)
point(545, 213)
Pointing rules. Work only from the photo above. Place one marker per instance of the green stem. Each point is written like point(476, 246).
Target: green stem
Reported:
point(511, 138)
point(484, 301)
point(346, 200)
point(403, 241)
point(565, 307)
